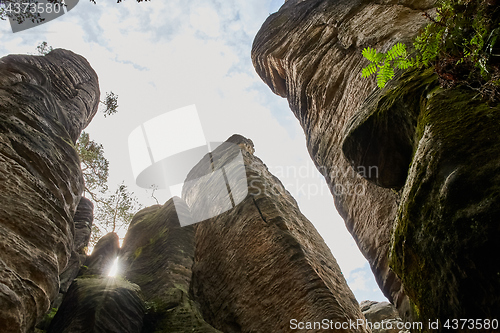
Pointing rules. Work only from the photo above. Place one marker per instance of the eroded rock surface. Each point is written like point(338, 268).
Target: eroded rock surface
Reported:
point(261, 264)
point(103, 256)
point(83, 219)
point(45, 102)
point(310, 53)
point(427, 220)
point(158, 255)
point(100, 304)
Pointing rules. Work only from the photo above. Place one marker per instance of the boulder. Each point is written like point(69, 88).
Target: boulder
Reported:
point(103, 256)
point(100, 304)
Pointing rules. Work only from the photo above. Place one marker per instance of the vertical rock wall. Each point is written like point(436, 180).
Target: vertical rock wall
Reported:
point(310, 53)
point(262, 264)
point(45, 102)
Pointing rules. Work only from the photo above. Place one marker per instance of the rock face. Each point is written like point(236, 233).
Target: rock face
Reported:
point(447, 225)
point(423, 202)
point(261, 264)
point(100, 304)
point(310, 53)
point(103, 256)
point(45, 102)
point(158, 255)
point(383, 317)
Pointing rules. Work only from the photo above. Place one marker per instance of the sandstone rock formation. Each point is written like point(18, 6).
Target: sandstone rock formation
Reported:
point(383, 317)
point(261, 264)
point(423, 202)
point(310, 53)
point(103, 256)
point(45, 102)
point(100, 304)
point(83, 219)
point(158, 255)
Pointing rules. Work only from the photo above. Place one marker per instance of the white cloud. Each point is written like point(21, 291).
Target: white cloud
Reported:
point(205, 20)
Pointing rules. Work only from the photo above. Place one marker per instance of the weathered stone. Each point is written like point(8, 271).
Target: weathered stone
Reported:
point(103, 304)
point(311, 53)
point(83, 219)
point(103, 256)
point(382, 132)
point(261, 264)
point(45, 102)
point(447, 229)
point(383, 317)
point(158, 254)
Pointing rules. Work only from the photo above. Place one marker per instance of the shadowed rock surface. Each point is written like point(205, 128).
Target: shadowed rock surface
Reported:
point(262, 263)
point(427, 221)
point(158, 254)
point(310, 53)
point(83, 219)
point(45, 102)
point(100, 304)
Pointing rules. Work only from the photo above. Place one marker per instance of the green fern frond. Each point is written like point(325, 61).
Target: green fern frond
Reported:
point(385, 74)
point(398, 50)
point(372, 55)
point(369, 70)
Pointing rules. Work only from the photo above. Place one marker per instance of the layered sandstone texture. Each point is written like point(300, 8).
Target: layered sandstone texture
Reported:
point(260, 264)
point(45, 102)
point(310, 53)
point(83, 219)
point(158, 255)
point(423, 204)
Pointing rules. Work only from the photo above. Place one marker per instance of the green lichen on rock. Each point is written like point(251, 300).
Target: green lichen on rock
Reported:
point(445, 245)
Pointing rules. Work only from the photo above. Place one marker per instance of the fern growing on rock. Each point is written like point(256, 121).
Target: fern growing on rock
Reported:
point(384, 64)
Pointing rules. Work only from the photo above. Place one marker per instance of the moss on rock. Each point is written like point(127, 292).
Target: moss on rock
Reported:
point(445, 245)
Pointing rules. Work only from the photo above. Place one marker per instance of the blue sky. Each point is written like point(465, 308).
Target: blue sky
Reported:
point(162, 55)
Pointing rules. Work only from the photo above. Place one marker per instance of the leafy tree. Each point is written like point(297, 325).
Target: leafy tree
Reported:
point(114, 212)
point(95, 166)
point(111, 103)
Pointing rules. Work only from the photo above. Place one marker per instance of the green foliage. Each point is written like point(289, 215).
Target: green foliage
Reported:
point(111, 103)
point(95, 166)
point(44, 48)
point(116, 210)
point(15, 9)
point(385, 63)
point(462, 31)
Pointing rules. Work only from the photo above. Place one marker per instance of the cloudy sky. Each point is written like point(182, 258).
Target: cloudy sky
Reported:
point(159, 56)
